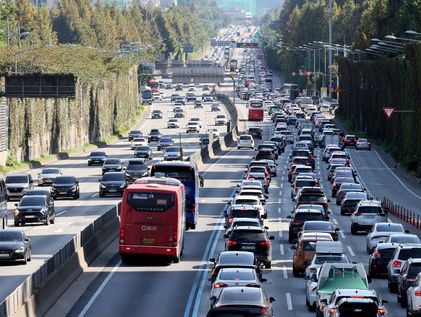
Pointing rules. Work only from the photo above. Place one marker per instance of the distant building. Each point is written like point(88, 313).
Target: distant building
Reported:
point(246, 5)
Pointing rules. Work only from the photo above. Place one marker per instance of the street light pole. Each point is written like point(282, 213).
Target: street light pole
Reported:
point(330, 47)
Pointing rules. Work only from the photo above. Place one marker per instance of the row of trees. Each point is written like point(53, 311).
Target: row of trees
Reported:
point(355, 22)
point(108, 27)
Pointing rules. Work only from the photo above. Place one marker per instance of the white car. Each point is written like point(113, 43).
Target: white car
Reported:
point(193, 127)
point(363, 144)
point(48, 175)
point(250, 200)
point(173, 123)
point(242, 277)
point(137, 142)
point(199, 122)
point(381, 231)
point(221, 119)
point(413, 295)
point(366, 215)
point(245, 141)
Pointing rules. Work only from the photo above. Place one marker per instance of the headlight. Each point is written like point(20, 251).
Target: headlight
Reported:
point(20, 250)
point(122, 186)
point(73, 188)
point(103, 186)
point(42, 211)
point(16, 212)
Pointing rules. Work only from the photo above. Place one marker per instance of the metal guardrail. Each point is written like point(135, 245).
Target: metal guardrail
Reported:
point(402, 213)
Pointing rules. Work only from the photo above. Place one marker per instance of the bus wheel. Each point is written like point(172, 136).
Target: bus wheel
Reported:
point(192, 226)
point(176, 259)
point(125, 258)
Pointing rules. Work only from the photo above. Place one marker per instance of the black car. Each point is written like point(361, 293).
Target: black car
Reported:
point(233, 259)
point(256, 133)
point(143, 152)
point(180, 100)
point(154, 135)
point(112, 183)
point(136, 168)
point(191, 97)
point(112, 165)
point(97, 158)
point(380, 258)
point(134, 134)
point(280, 142)
point(265, 154)
point(178, 87)
point(14, 246)
point(241, 302)
point(179, 113)
point(254, 240)
point(34, 209)
point(156, 114)
point(298, 219)
point(198, 105)
point(65, 186)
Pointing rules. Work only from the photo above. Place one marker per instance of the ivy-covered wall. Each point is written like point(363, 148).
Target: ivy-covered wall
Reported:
point(45, 126)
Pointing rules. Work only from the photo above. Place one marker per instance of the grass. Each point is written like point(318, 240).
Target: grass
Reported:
point(13, 165)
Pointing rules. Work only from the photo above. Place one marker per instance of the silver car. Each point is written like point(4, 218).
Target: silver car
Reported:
point(48, 175)
point(401, 254)
point(366, 215)
point(229, 277)
point(381, 231)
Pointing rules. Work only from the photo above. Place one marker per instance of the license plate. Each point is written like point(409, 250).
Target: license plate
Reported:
point(4, 255)
point(30, 216)
point(370, 217)
point(63, 193)
point(247, 247)
point(113, 190)
point(148, 241)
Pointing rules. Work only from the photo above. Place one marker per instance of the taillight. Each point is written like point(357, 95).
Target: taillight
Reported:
point(397, 263)
point(381, 311)
point(377, 255)
point(357, 214)
point(230, 220)
point(193, 208)
point(417, 293)
point(295, 222)
point(122, 235)
point(219, 285)
point(174, 238)
point(332, 310)
point(253, 285)
point(265, 310)
point(333, 186)
point(265, 243)
point(231, 243)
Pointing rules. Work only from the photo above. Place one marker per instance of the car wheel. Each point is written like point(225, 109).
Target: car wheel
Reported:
point(16, 223)
point(52, 221)
point(29, 255)
point(342, 213)
point(176, 259)
point(47, 221)
point(295, 272)
point(268, 265)
point(353, 230)
point(25, 259)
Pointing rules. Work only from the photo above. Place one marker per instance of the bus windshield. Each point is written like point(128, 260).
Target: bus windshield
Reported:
point(150, 202)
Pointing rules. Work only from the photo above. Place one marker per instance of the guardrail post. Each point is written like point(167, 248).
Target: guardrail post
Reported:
point(418, 221)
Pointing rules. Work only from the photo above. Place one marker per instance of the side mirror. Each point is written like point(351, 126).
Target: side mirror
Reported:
point(369, 279)
point(329, 212)
point(306, 278)
point(271, 238)
point(266, 196)
point(99, 179)
point(337, 229)
point(212, 260)
point(16, 204)
point(266, 227)
point(289, 217)
point(293, 247)
point(77, 182)
point(406, 231)
point(383, 301)
point(328, 200)
point(212, 299)
point(27, 239)
point(272, 299)
point(226, 236)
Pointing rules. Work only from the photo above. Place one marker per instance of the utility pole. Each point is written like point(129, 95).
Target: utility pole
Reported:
point(330, 47)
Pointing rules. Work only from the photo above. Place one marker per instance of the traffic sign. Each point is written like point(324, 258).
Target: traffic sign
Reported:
point(389, 111)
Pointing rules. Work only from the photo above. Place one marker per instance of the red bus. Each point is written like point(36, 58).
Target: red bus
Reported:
point(255, 110)
point(152, 220)
point(154, 85)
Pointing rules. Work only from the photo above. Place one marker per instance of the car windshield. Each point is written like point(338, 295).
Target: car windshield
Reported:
point(245, 137)
point(113, 177)
point(10, 236)
point(135, 132)
point(172, 149)
point(143, 148)
point(405, 254)
point(64, 180)
point(308, 216)
point(112, 161)
point(136, 166)
point(242, 201)
point(389, 228)
point(405, 239)
point(369, 210)
point(246, 223)
point(32, 201)
point(320, 259)
point(318, 226)
point(312, 198)
point(247, 236)
point(303, 183)
point(16, 179)
point(414, 269)
point(50, 171)
point(237, 275)
point(97, 154)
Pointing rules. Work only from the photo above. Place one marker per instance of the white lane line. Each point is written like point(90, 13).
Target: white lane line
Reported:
point(289, 301)
point(99, 290)
point(342, 234)
point(58, 230)
point(94, 195)
point(397, 178)
point(281, 186)
point(80, 203)
point(350, 251)
point(280, 233)
point(279, 209)
point(282, 178)
point(280, 200)
point(280, 193)
point(285, 271)
point(335, 221)
point(63, 212)
point(281, 249)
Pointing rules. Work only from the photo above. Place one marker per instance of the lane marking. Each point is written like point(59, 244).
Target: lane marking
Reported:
point(94, 195)
point(335, 221)
point(281, 249)
point(289, 301)
point(59, 230)
point(285, 271)
point(350, 251)
point(99, 290)
point(342, 234)
point(80, 203)
point(279, 209)
point(63, 212)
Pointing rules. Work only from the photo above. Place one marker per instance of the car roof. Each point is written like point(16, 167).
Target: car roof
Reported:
point(243, 299)
point(316, 236)
point(232, 257)
point(367, 202)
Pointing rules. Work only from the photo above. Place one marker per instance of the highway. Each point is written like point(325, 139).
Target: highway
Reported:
point(111, 288)
point(73, 216)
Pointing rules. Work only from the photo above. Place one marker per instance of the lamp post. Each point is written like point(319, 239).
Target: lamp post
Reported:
point(330, 47)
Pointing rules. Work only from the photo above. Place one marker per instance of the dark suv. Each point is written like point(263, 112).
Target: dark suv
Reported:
point(97, 158)
point(406, 279)
point(136, 168)
point(298, 219)
point(18, 184)
point(156, 114)
point(256, 133)
point(154, 135)
point(252, 239)
point(36, 208)
point(314, 196)
point(65, 186)
point(241, 211)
